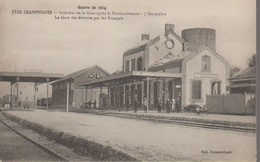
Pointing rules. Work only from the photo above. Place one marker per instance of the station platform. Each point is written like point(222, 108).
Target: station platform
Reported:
point(229, 120)
point(145, 141)
point(148, 141)
point(226, 120)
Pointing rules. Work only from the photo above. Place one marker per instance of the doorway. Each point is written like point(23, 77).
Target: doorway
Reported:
point(156, 95)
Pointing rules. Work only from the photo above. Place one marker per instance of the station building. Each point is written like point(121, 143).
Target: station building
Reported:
point(244, 81)
point(78, 95)
point(168, 67)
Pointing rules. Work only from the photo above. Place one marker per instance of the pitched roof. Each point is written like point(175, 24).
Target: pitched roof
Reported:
point(249, 72)
point(166, 58)
point(78, 73)
point(141, 43)
point(169, 59)
point(141, 46)
point(202, 48)
point(118, 71)
point(176, 59)
point(170, 31)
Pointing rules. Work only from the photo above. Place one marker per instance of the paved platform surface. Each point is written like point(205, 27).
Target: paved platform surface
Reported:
point(190, 115)
point(151, 141)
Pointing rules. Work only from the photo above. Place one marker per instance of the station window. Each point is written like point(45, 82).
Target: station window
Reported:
point(127, 66)
point(133, 65)
point(196, 89)
point(215, 87)
point(140, 64)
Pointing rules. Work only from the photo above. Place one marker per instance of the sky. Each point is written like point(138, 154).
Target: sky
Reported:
point(43, 43)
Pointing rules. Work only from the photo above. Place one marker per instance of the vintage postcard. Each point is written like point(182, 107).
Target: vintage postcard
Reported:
point(122, 80)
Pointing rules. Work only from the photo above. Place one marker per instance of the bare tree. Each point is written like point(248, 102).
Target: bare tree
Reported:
point(234, 70)
point(252, 60)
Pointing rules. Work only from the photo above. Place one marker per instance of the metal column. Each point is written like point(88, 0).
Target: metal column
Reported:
point(142, 91)
point(18, 97)
point(164, 98)
point(123, 94)
point(47, 100)
point(87, 95)
point(35, 101)
point(148, 93)
point(91, 94)
point(67, 107)
point(99, 98)
point(109, 95)
point(11, 99)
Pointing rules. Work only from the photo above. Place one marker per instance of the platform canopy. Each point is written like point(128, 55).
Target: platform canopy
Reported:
point(36, 77)
point(128, 78)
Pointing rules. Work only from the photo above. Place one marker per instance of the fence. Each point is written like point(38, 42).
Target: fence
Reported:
point(240, 104)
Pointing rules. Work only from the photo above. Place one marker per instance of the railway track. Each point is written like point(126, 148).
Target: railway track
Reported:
point(45, 149)
point(187, 123)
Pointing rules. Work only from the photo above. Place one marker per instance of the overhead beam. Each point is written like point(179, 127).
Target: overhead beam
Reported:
point(29, 76)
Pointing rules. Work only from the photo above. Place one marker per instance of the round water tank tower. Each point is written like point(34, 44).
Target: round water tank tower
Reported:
point(200, 36)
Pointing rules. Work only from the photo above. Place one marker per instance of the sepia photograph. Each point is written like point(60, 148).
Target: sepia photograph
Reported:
point(122, 80)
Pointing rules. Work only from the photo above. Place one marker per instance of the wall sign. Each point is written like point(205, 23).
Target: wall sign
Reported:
point(95, 75)
point(202, 75)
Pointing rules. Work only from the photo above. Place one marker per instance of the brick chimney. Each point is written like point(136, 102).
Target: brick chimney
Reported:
point(167, 27)
point(145, 37)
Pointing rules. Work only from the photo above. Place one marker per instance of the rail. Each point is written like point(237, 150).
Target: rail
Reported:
point(62, 158)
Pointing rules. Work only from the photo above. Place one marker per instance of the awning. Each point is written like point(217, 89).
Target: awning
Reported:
point(128, 77)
